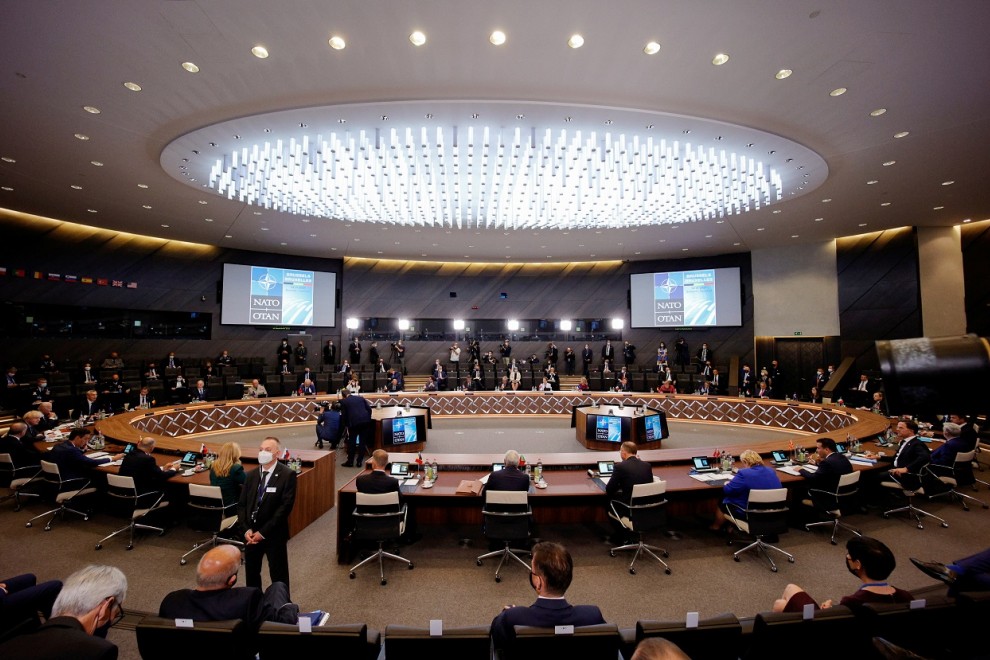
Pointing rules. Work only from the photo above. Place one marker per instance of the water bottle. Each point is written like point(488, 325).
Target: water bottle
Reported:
point(538, 472)
point(436, 470)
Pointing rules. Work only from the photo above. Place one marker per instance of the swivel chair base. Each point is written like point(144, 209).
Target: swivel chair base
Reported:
point(836, 524)
point(641, 547)
point(130, 528)
point(762, 546)
point(380, 555)
point(504, 554)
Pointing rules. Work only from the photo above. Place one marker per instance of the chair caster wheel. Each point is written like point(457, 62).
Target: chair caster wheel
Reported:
point(130, 547)
point(497, 579)
point(665, 554)
point(611, 553)
point(790, 560)
point(48, 528)
point(945, 524)
point(632, 571)
point(885, 516)
point(833, 542)
point(182, 562)
point(86, 517)
point(920, 526)
point(479, 562)
point(773, 568)
point(667, 571)
point(99, 546)
point(735, 558)
point(27, 524)
point(411, 566)
point(352, 576)
point(384, 582)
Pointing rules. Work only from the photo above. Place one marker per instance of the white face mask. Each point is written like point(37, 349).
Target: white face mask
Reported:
point(265, 457)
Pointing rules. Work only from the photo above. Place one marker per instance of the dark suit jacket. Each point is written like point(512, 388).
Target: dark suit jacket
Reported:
point(826, 477)
point(377, 482)
point(355, 411)
point(221, 605)
point(946, 454)
point(89, 409)
point(508, 478)
point(61, 637)
point(627, 474)
point(544, 613)
point(22, 452)
point(272, 518)
point(147, 475)
point(72, 462)
point(913, 456)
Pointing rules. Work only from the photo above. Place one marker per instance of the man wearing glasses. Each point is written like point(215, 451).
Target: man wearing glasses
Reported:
point(89, 604)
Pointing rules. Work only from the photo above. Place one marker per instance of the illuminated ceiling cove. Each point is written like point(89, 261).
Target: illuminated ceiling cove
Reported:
point(511, 166)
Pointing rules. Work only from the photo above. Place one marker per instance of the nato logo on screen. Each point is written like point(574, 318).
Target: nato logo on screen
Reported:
point(280, 295)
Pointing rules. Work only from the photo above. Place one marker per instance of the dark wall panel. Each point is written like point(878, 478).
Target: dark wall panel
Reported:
point(976, 275)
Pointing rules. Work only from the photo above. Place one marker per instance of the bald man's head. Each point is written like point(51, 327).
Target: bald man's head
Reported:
point(218, 568)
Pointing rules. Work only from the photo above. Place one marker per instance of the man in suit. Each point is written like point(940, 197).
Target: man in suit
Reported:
point(90, 601)
point(552, 571)
point(505, 351)
point(717, 382)
point(954, 443)
point(215, 597)
point(200, 392)
point(90, 405)
point(142, 467)
point(378, 481)
point(355, 351)
point(704, 355)
point(608, 352)
point(587, 355)
point(330, 354)
point(626, 474)
point(355, 414)
point(22, 451)
point(912, 454)
point(510, 477)
point(22, 598)
point(831, 466)
point(143, 400)
point(263, 511)
point(745, 381)
point(70, 458)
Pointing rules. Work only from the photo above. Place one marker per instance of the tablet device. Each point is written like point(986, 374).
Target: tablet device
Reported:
point(400, 470)
point(497, 466)
point(840, 447)
point(703, 464)
point(189, 460)
point(605, 468)
point(129, 448)
point(779, 457)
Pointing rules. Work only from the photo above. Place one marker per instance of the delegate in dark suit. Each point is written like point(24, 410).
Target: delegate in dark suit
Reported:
point(247, 603)
point(630, 472)
point(148, 477)
point(355, 414)
point(913, 455)
point(61, 637)
point(266, 510)
point(22, 451)
point(72, 462)
point(946, 454)
point(826, 477)
point(544, 613)
point(377, 482)
point(508, 478)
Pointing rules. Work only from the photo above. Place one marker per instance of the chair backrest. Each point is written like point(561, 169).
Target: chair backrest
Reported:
point(766, 511)
point(409, 641)
point(833, 633)
point(716, 638)
point(933, 484)
point(378, 516)
point(160, 639)
point(845, 496)
point(913, 628)
point(206, 508)
point(282, 640)
point(647, 508)
point(122, 483)
point(599, 641)
point(962, 469)
point(507, 515)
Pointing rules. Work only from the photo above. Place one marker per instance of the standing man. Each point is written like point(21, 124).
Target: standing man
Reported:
point(378, 481)
point(355, 414)
point(455, 359)
point(569, 360)
point(505, 350)
point(266, 502)
point(551, 574)
point(704, 355)
point(608, 353)
point(630, 472)
point(587, 355)
point(355, 351)
point(330, 355)
point(628, 354)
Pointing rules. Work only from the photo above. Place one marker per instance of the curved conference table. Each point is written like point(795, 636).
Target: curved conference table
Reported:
point(571, 495)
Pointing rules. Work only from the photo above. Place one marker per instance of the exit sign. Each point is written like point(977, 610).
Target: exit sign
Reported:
point(798, 333)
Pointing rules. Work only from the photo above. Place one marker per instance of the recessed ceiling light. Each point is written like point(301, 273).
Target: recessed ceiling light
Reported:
point(967, 220)
point(889, 163)
point(794, 235)
point(871, 182)
point(257, 212)
point(576, 41)
point(662, 240)
point(265, 228)
point(287, 244)
point(75, 187)
point(312, 235)
point(7, 188)
point(81, 136)
point(133, 86)
point(776, 212)
point(720, 59)
point(207, 219)
point(838, 91)
point(947, 183)
point(497, 38)
point(651, 48)
point(142, 185)
point(826, 200)
point(337, 43)
point(227, 236)
point(783, 73)
point(145, 206)
point(878, 112)
point(260, 52)
point(190, 67)
point(8, 159)
point(902, 134)
point(819, 219)
point(708, 235)
point(684, 249)
point(885, 204)
point(97, 163)
point(91, 211)
point(417, 38)
point(93, 110)
point(737, 243)
point(937, 208)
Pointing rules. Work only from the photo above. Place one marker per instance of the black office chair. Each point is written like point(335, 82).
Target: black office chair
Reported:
point(207, 513)
point(379, 517)
point(913, 628)
point(507, 517)
point(833, 633)
point(598, 641)
point(911, 486)
point(834, 503)
point(765, 515)
point(959, 474)
point(348, 640)
point(715, 638)
point(645, 512)
point(65, 492)
point(161, 639)
point(135, 506)
point(16, 478)
point(417, 642)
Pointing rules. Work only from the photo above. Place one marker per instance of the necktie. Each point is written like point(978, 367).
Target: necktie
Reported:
point(261, 486)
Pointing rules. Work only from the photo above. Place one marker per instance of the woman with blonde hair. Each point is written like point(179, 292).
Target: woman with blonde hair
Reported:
point(755, 475)
point(228, 473)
